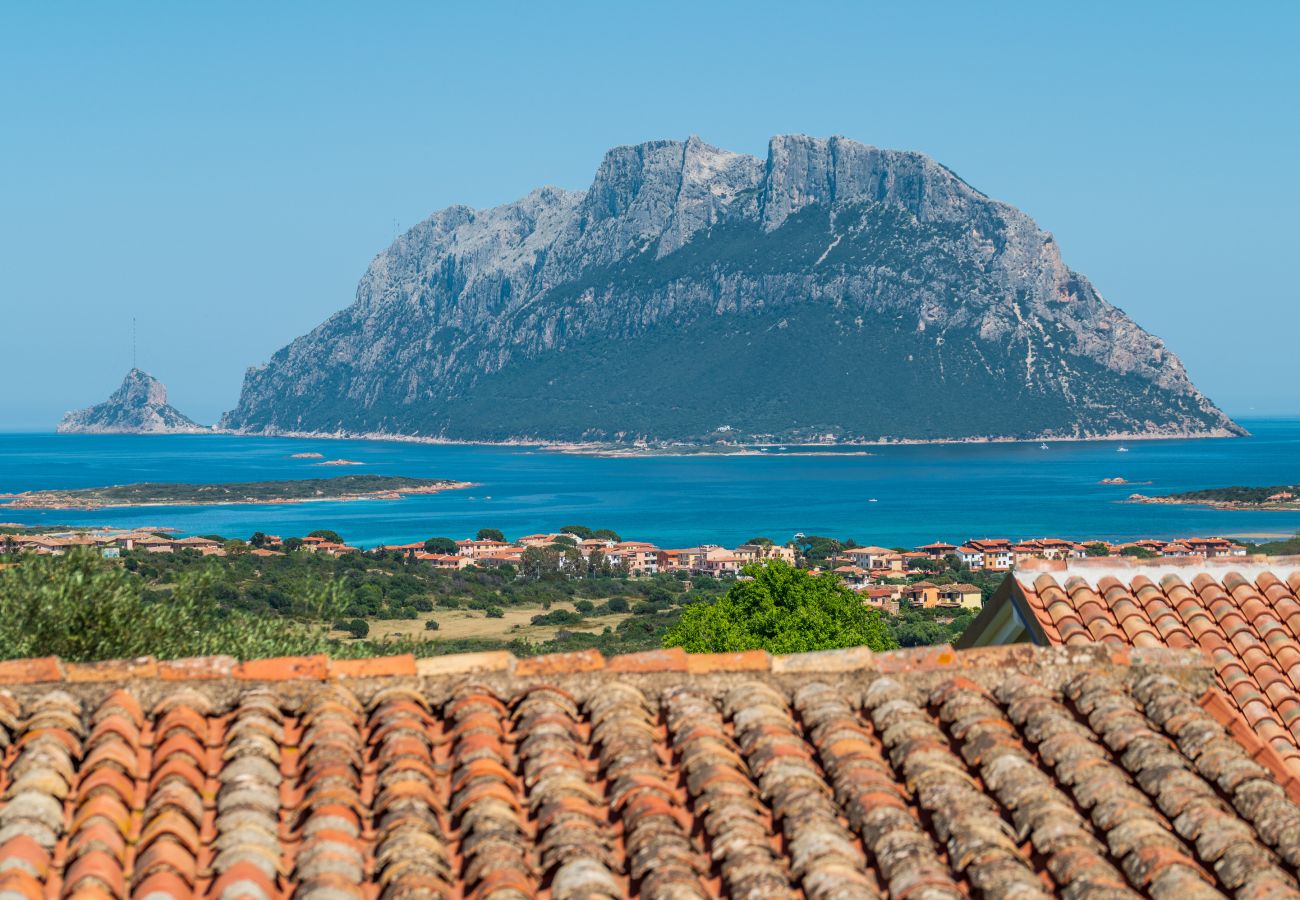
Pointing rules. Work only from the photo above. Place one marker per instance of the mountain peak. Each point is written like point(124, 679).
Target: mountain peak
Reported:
point(832, 291)
point(138, 406)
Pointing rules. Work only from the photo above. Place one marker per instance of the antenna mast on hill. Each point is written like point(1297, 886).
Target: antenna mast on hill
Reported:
point(133, 358)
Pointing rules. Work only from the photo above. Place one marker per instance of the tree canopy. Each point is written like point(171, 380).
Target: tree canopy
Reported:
point(440, 545)
point(326, 534)
point(780, 609)
point(490, 534)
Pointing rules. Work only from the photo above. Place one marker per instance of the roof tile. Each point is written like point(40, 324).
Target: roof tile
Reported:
point(1244, 619)
point(1026, 771)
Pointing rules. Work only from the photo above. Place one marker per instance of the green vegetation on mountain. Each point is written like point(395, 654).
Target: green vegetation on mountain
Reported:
point(835, 291)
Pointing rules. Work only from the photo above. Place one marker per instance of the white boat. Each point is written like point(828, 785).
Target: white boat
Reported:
point(872, 500)
point(1043, 447)
point(1122, 450)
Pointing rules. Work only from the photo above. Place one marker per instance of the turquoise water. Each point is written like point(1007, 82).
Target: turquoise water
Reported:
point(920, 493)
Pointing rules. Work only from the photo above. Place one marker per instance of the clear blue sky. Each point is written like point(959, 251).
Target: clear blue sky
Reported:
point(224, 172)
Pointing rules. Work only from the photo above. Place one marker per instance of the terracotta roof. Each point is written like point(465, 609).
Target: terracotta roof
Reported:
point(1244, 614)
point(1018, 772)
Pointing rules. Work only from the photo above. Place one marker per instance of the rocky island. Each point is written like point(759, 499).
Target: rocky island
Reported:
point(138, 406)
point(833, 292)
point(345, 487)
point(1278, 497)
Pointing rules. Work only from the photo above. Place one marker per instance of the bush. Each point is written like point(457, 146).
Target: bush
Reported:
point(422, 604)
point(586, 607)
point(557, 617)
point(83, 608)
point(358, 628)
point(449, 602)
point(431, 625)
point(494, 612)
point(618, 604)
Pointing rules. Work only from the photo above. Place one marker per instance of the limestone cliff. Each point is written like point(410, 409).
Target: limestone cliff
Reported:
point(834, 291)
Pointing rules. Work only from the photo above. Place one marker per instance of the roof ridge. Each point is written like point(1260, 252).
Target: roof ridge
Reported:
point(321, 667)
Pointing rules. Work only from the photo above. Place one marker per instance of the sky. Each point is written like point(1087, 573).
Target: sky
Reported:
point(223, 173)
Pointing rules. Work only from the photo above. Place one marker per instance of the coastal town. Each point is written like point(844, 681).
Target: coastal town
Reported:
point(886, 578)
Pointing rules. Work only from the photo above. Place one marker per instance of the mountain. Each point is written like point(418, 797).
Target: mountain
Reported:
point(139, 406)
point(833, 291)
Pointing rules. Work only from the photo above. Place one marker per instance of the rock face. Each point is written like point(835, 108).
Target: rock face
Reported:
point(139, 406)
point(833, 291)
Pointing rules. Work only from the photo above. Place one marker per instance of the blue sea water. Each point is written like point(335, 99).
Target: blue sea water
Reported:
point(904, 495)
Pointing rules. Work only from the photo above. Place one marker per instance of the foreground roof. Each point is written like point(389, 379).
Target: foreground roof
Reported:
point(1014, 772)
point(1244, 614)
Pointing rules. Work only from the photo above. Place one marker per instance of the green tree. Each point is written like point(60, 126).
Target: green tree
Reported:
point(490, 534)
point(780, 609)
point(762, 541)
point(1139, 553)
point(579, 531)
point(606, 534)
point(326, 534)
point(816, 548)
point(1096, 549)
point(440, 545)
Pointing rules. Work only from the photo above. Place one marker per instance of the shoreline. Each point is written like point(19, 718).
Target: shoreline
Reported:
point(607, 449)
point(32, 500)
point(1226, 505)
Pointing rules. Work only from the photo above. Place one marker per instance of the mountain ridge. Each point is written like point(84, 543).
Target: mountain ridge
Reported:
point(828, 266)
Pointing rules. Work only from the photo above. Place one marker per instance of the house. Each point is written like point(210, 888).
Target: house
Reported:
point(854, 577)
point(883, 596)
point(539, 540)
point(443, 560)
point(996, 554)
point(1214, 547)
point(938, 550)
point(962, 596)
point(475, 549)
point(971, 558)
point(638, 557)
point(878, 560)
point(719, 563)
point(1240, 617)
point(922, 594)
point(763, 552)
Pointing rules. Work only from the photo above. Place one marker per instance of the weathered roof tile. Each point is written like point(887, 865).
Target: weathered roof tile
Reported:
point(1076, 771)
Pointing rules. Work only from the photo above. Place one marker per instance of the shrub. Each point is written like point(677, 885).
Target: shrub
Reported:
point(358, 628)
point(422, 604)
point(449, 602)
point(617, 604)
point(586, 607)
point(494, 612)
point(431, 625)
point(83, 608)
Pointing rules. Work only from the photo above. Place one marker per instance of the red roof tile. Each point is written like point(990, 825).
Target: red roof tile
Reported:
point(1244, 615)
point(928, 773)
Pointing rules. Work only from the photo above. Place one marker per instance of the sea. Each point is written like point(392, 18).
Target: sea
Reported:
point(903, 495)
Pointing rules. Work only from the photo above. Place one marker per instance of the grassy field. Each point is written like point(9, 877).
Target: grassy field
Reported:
point(473, 623)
